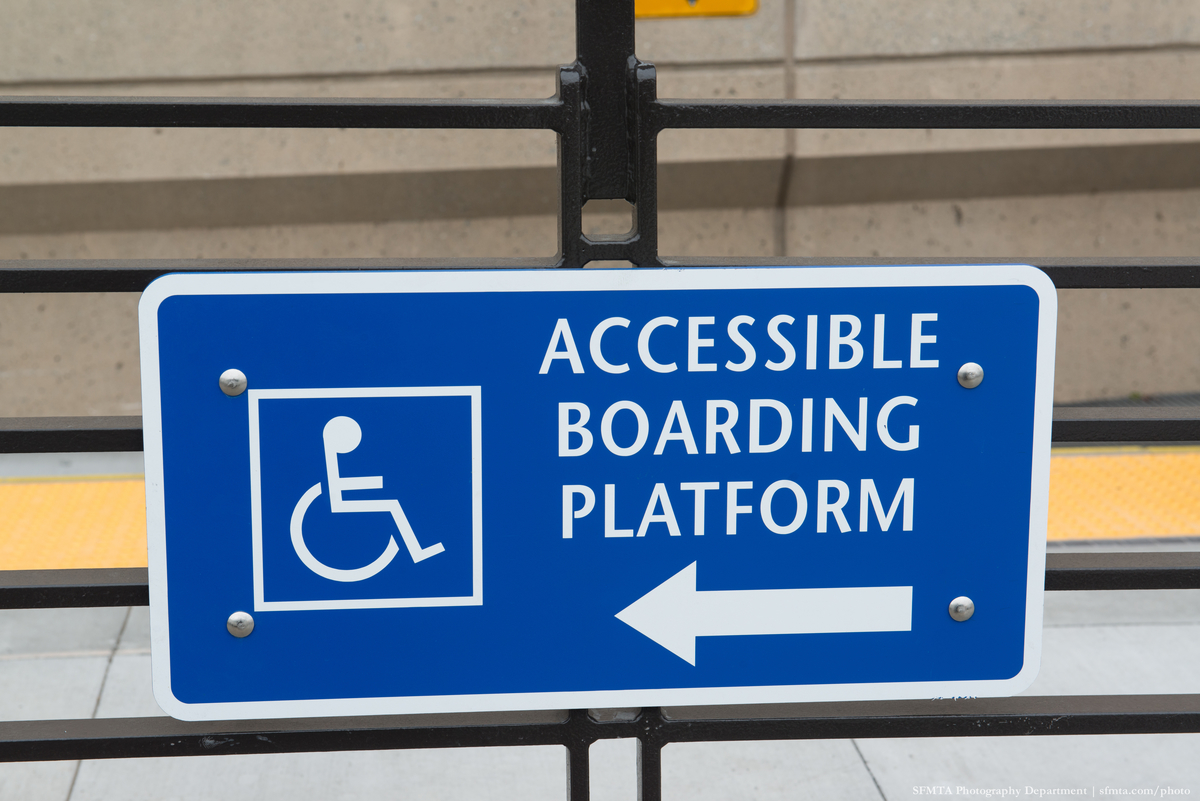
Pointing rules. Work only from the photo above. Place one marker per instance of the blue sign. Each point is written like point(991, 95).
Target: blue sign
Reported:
point(470, 491)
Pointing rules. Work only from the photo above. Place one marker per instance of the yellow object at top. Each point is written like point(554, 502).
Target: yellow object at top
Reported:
point(694, 8)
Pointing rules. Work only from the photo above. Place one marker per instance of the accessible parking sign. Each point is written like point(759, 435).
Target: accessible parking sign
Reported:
point(443, 491)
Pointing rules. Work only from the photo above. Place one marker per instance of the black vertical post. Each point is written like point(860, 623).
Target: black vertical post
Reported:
point(644, 94)
point(578, 740)
point(570, 168)
point(579, 779)
point(649, 760)
point(649, 769)
point(604, 44)
point(607, 145)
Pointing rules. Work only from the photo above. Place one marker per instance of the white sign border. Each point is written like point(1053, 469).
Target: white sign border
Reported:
point(685, 278)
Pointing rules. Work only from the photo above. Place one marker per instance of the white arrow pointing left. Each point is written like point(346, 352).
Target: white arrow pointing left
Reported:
point(674, 613)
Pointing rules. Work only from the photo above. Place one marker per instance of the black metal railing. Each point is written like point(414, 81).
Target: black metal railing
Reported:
point(607, 116)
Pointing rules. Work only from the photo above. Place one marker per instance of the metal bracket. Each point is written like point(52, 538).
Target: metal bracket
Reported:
point(606, 147)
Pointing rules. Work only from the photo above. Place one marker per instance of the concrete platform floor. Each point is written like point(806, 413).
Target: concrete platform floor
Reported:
point(96, 662)
point(72, 663)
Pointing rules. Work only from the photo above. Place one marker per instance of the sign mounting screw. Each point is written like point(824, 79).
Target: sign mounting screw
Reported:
point(970, 375)
point(233, 382)
point(240, 624)
point(961, 609)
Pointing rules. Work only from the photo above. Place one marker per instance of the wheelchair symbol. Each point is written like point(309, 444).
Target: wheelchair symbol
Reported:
point(342, 435)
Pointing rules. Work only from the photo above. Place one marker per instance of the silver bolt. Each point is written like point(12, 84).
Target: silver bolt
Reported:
point(970, 375)
point(233, 382)
point(961, 608)
point(240, 624)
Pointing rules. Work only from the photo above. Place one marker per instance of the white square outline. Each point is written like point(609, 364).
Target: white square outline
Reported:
point(476, 596)
point(595, 280)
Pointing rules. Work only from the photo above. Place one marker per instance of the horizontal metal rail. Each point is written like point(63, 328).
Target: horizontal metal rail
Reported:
point(923, 114)
point(85, 588)
point(224, 112)
point(70, 434)
point(1079, 424)
point(259, 112)
point(46, 589)
point(1066, 273)
point(134, 275)
point(1160, 570)
point(113, 738)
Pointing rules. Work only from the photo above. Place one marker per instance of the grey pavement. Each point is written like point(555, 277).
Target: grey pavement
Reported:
point(95, 662)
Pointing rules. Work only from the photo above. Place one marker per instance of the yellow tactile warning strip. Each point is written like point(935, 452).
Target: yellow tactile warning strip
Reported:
point(1124, 493)
point(694, 8)
point(1095, 493)
point(75, 521)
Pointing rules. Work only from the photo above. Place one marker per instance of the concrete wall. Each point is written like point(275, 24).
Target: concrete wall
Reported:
point(273, 193)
